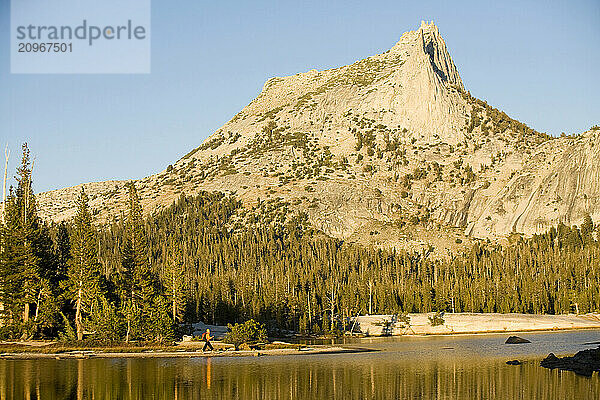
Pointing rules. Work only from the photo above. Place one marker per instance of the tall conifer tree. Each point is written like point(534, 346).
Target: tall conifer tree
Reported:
point(142, 302)
point(83, 284)
point(174, 279)
point(27, 260)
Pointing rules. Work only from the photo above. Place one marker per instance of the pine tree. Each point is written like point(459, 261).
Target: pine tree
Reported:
point(27, 261)
point(174, 280)
point(83, 284)
point(106, 322)
point(10, 266)
point(27, 224)
point(587, 227)
point(139, 286)
point(62, 251)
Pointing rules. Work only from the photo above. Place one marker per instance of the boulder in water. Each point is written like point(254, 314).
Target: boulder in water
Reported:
point(516, 340)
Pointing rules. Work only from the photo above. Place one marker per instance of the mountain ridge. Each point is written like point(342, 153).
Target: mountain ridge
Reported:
point(386, 151)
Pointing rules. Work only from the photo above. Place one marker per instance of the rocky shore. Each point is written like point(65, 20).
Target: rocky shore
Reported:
point(584, 363)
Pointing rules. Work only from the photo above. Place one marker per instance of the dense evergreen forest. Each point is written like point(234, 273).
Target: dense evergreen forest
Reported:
point(206, 258)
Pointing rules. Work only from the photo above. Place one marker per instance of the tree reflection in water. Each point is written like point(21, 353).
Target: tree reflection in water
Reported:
point(296, 377)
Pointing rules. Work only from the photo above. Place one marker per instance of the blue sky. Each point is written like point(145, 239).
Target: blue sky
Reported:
point(536, 60)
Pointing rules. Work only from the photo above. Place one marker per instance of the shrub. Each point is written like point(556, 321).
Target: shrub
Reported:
point(250, 332)
point(437, 319)
point(404, 320)
point(419, 173)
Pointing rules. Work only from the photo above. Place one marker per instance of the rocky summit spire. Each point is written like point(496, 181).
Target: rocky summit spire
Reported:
point(435, 47)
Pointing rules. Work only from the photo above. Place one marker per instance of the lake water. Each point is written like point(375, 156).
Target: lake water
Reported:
point(460, 367)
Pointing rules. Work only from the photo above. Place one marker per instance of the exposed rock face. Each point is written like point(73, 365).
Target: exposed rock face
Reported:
point(388, 151)
point(421, 324)
point(559, 182)
point(441, 62)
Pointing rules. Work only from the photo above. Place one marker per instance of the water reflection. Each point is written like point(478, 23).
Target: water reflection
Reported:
point(294, 379)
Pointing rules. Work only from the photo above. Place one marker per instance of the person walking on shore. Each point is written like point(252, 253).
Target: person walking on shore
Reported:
point(207, 338)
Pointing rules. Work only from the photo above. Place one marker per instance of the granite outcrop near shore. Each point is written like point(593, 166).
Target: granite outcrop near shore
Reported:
point(584, 363)
point(455, 323)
